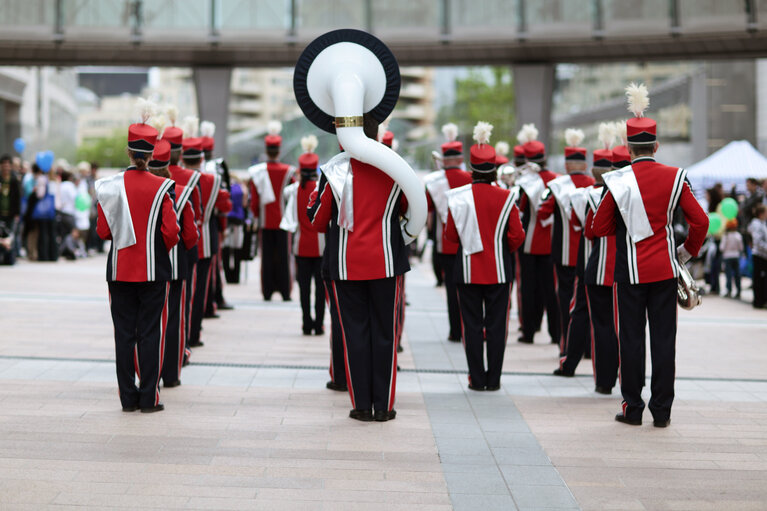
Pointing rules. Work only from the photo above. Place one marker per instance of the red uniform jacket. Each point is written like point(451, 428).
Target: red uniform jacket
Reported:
point(307, 242)
point(212, 197)
point(182, 177)
point(600, 267)
point(154, 224)
point(501, 233)
point(281, 175)
point(565, 238)
point(538, 236)
point(190, 235)
point(654, 258)
point(375, 248)
point(456, 177)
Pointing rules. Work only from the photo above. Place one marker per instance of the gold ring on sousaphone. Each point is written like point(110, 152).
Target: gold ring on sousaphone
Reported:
point(349, 121)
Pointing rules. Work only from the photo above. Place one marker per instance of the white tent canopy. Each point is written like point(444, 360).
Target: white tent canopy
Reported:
point(730, 166)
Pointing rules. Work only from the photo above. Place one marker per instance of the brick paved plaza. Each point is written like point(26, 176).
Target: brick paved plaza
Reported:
point(252, 426)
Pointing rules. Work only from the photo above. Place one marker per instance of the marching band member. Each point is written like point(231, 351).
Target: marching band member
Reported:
point(367, 258)
point(565, 239)
point(583, 330)
point(537, 284)
point(308, 244)
point(484, 222)
point(211, 197)
point(135, 211)
point(438, 184)
point(175, 333)
point(638, 208)
point(267, 183)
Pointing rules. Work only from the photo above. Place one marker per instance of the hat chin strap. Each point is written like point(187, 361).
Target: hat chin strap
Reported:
point(347, 92)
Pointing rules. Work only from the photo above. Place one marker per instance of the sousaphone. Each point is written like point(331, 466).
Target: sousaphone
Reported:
point(342, 75)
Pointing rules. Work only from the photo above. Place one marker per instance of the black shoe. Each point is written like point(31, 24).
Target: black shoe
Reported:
point(475, 388)
point(225, 307)
point(587, 356)
point(157, 408)
point(383, 415)
point(553, 341)
point(400, 349)
point(524, 340)
point(625, 420)
point(131, 408)
point(661, 423)
point(267, 298)
point(172, 384)
point(603, 390)
point(320, 330)
point(493, 388)
point(562, 372)
point(286, 299)
point(307, 331)
point(212, 315)
point(361, 415)
point(197, 344)
point(336, 386)
point(453, 339)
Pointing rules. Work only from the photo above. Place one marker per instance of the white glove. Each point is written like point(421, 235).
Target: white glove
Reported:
point(683, 255)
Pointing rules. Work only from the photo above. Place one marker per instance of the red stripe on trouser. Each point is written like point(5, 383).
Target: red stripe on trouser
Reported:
point(163, 325)
point(346, 351)
point(135, 362)
point(616, 324)
point(182, 328)
point(398, 297)
point(591, 329)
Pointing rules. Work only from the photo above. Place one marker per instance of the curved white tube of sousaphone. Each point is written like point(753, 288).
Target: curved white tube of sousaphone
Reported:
point(346, 80)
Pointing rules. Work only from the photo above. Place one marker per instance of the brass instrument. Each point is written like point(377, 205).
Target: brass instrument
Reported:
point(687, 293)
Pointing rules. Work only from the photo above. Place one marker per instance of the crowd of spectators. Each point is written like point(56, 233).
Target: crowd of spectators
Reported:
point(47, 215)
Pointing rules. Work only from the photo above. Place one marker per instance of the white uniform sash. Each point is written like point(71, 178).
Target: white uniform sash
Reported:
point(111, 195)
point(461, 204)
point(623, 185)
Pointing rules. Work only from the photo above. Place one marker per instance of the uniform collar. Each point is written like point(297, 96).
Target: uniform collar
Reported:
point(642, 158)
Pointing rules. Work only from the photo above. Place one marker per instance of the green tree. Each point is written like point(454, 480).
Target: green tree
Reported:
point(108, 151)
point(485, 94)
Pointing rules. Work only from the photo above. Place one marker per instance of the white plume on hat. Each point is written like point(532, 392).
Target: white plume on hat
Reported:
point(172, 112)
point(606, 134)
point(528, 133)
point(146, 109)
point(573, 137)
point(207, 129)
point(450, 130)
point(394, 144)
point(638, 99)
point(502, 148)
point(309, 143)
point(619, 128)
point(482, 132)
point(382, 129)
point(274, 127)
point(190, 125)
point(158, 122)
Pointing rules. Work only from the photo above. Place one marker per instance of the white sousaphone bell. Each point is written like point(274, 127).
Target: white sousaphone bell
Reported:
point(342, 75)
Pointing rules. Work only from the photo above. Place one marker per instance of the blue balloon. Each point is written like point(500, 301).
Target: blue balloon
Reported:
point(44, 160)
point(19, 145)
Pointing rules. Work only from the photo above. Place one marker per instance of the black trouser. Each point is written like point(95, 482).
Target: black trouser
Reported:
point(337, 362)
point(565, 293)
point(201, 290)
point(436, 265)
point(368, 310)
point(485, 314)
point(446, 264)
point(604, 352)
point(214, 289)
point(760, 281)
point(191, 284)
point(275, 266)
point(579, 334)
point(538, 290)
point(308, 269)
point(231, 259)
point(175, 333)
point(639, 304)
point(139, 313)
point(47, 244)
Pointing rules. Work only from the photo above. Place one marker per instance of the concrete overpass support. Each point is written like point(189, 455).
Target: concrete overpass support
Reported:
point(213, 85)
point(533, 94)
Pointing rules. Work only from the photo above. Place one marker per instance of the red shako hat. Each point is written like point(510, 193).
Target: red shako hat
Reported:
point(639, 129)
point(501, 152)
point(482, 154)
point(452, 147)
point(519, 153)
point(573, 138)
point(273, 139)
point(192, 144)
point(387, 139)
point(207, 130)
point(142, 136)
point(160, 155)
point(309, 160)
point(534, 150)
point(603, 157)
point(621, 157)
point(173, 134)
